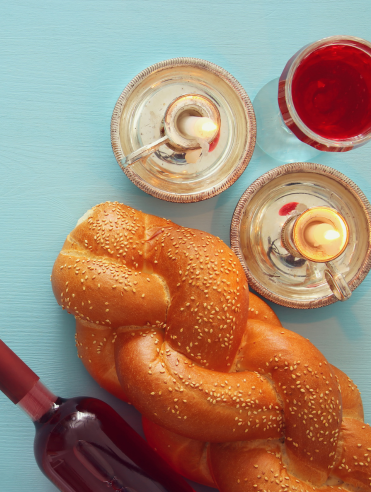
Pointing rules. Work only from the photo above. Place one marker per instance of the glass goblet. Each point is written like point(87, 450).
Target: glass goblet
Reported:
point(320, 103)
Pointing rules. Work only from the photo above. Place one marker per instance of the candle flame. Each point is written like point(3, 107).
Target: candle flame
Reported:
point(209, 126)
point(332, 235)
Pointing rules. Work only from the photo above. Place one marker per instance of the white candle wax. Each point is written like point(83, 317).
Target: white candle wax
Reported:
point(320, 233)
point(323, 236)
point(197, 126)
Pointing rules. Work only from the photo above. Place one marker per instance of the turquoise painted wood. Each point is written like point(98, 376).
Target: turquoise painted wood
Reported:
point(63, 66)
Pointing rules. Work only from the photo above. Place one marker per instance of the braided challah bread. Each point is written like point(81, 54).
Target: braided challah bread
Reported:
point(228, 396)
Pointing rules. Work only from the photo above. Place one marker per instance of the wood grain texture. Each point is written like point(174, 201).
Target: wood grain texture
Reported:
point(63, 66)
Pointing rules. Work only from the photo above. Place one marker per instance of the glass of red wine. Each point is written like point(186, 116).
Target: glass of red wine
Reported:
point(321, 102)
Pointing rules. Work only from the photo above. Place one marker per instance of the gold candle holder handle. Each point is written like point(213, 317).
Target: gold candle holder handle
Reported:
point(337, 282)
point(143, 152)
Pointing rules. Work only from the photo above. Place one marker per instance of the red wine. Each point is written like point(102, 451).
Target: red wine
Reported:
point(331, 91)
point(82, 444)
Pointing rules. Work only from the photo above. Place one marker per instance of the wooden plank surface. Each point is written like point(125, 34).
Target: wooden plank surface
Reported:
point(63, 66)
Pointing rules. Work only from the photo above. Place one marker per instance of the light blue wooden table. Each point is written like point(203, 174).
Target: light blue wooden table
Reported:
point(63, 66)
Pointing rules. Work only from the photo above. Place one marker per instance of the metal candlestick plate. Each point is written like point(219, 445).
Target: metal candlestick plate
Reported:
point(257, 225)
point(138, 120)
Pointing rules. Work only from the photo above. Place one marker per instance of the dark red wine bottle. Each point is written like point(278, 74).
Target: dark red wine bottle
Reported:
point(82, 444)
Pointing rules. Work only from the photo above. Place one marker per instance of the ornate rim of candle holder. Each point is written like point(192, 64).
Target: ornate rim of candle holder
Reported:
point(263, 210)
point(138, 121)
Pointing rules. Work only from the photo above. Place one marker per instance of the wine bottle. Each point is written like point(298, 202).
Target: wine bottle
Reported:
point(82, 444)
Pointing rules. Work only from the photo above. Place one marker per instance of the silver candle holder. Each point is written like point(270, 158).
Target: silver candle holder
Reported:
point(153, 150)
point(268, 234)
point(319, 235)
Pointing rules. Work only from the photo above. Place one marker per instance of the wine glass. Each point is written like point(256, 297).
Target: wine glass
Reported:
point(321, 101)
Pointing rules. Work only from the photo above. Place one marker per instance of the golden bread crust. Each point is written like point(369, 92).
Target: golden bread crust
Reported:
point(95, 347)
point(174, 392)
point(187, 456)
point(259, 310)
point(120, 267)
point(163, 320)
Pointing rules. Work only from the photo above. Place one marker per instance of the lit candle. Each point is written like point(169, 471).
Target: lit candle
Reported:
point(197, 126)
point(320, 234)
point(324, 236)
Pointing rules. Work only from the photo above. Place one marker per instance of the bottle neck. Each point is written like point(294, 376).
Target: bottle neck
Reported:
point(37, 401)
